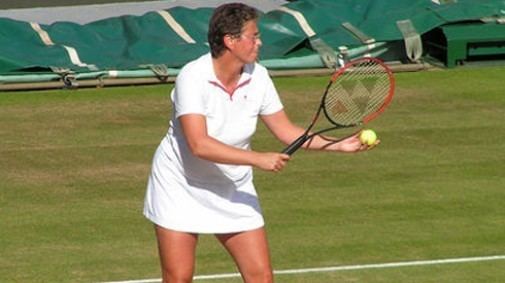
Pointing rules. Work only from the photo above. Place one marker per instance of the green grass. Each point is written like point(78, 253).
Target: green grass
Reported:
point(74, 164)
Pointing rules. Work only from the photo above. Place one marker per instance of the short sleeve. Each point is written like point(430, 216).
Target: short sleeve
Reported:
point(188, 95)
point(271, 101)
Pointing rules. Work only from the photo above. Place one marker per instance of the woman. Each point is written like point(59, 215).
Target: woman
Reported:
point(201, 179)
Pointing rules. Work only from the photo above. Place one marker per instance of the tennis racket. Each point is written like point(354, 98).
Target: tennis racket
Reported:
point(357, 93)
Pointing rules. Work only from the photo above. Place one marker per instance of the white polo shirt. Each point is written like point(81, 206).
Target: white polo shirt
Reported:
point(190, 194)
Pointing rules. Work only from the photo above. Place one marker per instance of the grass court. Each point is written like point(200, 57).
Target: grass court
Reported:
point(74, 165)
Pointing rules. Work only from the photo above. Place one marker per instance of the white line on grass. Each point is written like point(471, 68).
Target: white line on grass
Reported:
point(340, 268)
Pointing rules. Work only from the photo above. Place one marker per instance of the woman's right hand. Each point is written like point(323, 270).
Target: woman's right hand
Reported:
point(271, 161)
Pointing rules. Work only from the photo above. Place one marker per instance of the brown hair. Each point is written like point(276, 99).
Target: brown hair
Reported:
point(228, 19)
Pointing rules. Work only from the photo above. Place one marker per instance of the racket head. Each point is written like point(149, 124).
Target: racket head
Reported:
point(358, 92)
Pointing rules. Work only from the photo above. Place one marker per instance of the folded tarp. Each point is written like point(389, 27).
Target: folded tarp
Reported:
point(300, 34)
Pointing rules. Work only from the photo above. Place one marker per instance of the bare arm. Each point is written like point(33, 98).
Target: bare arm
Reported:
point(284, 130)
point(206, 147)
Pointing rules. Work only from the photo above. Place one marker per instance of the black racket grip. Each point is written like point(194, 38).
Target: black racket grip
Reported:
point(294, 146)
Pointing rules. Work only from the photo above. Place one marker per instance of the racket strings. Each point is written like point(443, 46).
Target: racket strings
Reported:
point(357, 92)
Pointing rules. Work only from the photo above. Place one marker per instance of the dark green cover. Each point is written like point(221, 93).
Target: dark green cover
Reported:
point(138, 42)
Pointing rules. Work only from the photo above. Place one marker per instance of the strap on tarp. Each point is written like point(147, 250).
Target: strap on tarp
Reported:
point(498, 20)
point(304, 25)
point(67, 76)
point(76, 60)
point(365, 39)
point(175, 26)
point(327, 54)
point(42, 34)
point(443, 2)
point(412, 39)
point(160, 70)
point(71, 51)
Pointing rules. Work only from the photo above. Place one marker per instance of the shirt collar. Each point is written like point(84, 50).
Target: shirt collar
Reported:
point(245, 77)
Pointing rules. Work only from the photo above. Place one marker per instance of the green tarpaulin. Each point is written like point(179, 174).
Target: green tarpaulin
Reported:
point(301, 34)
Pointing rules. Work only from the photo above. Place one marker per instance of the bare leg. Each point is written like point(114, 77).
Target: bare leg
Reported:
point(249, 249)
point(177, 255)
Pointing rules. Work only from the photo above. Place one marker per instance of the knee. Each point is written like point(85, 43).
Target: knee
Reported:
point(267, 277)
point(172, 277)
point(259, 276)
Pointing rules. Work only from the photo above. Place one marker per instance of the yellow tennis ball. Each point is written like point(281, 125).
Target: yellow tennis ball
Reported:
point(368, 137)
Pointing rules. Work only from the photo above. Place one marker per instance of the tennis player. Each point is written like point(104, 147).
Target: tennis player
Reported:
point(201, 180)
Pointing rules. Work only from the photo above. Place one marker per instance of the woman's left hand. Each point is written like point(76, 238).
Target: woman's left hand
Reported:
point(353, 144)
